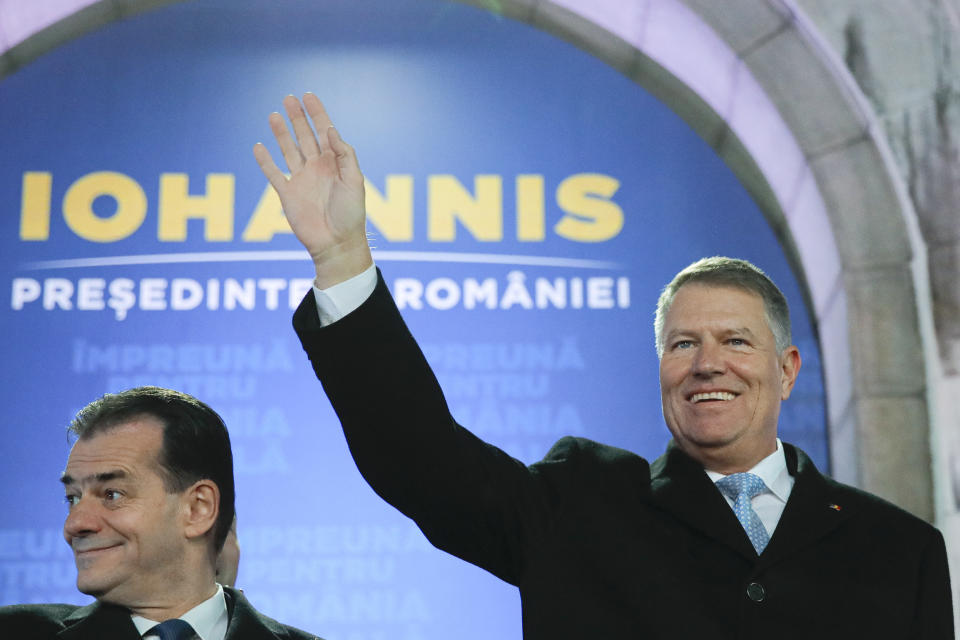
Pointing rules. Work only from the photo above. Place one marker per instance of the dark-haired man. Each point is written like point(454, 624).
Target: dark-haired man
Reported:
point(730, 534)
point(149, 485)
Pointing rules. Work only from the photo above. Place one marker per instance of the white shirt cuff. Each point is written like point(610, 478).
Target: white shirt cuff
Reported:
point(342, 298)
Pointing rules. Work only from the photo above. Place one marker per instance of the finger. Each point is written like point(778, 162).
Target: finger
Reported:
point(289, 149)
point(346, 158)
point(305, 137)
point(321, 120)
point(269, 167)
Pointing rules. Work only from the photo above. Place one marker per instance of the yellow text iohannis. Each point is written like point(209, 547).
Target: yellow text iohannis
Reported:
point(578, 208)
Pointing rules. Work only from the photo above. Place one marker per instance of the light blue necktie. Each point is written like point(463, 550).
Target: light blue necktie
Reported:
point(175, 629)
point(741, 488)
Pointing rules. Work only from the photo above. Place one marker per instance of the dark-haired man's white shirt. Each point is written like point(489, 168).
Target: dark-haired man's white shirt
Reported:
point(209, 619)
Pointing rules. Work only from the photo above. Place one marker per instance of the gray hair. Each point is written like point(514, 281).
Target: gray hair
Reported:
point(729, 272)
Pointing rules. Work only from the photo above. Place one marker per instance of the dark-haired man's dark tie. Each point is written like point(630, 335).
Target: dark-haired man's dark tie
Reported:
point(175, 629)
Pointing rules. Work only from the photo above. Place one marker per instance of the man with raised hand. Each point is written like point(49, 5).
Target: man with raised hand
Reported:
point(150, 496)
point(731, 533)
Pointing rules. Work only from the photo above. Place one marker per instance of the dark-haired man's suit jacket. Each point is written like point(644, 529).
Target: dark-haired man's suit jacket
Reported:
point(604, 545)
point(106, 622)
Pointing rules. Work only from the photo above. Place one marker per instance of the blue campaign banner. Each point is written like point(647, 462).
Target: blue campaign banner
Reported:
point(526, 204)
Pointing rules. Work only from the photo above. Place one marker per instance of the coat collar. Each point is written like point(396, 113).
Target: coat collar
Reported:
point(812, 511)
point(246, 623)
point(679, 486)
point(99, 620)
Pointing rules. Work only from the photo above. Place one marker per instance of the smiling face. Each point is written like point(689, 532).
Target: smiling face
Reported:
point(125, 530)
point(721, 377)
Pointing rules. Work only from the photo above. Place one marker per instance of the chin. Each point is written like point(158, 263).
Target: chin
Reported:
point(715, 435)
point(92, 586)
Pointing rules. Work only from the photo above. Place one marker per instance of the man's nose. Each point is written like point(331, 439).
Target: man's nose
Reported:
point(708, 359)
point(82, 520)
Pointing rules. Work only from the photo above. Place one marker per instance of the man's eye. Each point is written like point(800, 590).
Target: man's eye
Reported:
point(737, 342)
point(111, 495)
point(683, 344)
point(71, 499)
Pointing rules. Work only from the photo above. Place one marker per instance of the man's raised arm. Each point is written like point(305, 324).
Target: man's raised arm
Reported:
point(323, 196)
point(470, 498)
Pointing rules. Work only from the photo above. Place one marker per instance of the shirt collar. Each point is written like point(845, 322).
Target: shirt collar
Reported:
point(203, 618)
point(772, 470)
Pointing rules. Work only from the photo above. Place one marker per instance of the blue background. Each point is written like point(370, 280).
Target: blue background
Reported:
point(418, 87)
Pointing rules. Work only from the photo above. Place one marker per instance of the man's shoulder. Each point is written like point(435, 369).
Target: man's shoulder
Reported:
point(869, 510)
point(34, 620)
point(246, 616)
point(873, 508)
point(285, 631)
point(582, 458)
point(570, 448)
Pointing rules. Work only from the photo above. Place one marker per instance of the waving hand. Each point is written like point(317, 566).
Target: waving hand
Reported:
point(323, 197)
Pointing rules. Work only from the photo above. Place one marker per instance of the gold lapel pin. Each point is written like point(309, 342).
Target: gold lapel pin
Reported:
point(835, 507)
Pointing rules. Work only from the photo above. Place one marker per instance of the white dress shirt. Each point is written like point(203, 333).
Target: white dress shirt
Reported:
point(770, 504)
point(340, 299)
point(344, 297)
point(208, 619)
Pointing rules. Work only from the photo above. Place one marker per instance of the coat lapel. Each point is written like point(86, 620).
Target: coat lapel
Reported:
point(99, 620)
point(680, 487)
point(246, 623)
point(811, 513)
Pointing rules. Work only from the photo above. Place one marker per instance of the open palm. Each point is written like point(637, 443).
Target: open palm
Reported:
point(323, 197)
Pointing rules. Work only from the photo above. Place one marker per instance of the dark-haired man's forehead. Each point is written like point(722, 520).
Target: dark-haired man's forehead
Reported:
point(132, 446)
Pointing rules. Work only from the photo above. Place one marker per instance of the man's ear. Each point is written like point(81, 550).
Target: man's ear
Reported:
point(201, 506)
point(790, 368)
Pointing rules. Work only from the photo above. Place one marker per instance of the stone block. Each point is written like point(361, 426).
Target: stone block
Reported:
point(885, 332)
point(804, 83)
point(865, 211)
point(894, 443)
point(743, 23)
point(944, 264)
point(844, 455)
point(890, 46)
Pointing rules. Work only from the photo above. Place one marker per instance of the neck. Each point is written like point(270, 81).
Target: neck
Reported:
point(728, 460)
point(174, 607)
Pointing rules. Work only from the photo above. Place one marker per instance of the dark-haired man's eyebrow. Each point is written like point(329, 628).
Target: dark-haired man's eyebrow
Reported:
point(106, 476)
